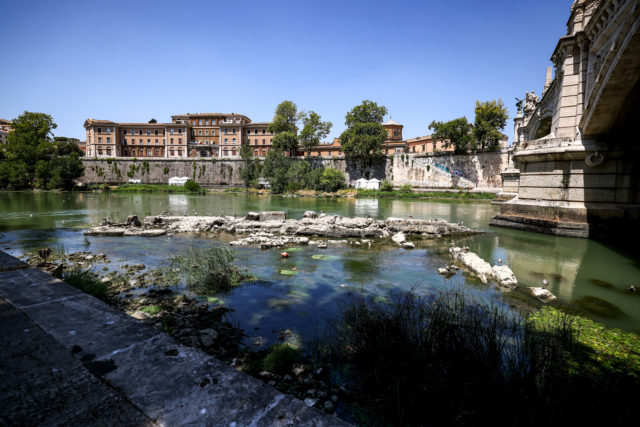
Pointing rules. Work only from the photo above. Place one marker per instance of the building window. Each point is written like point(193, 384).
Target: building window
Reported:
point(179, 131)
point(264, 141)
point(234, 130)
point(171, 131)
point(206, 122)
point(206, 133)
point(171, 140)
point(255, 153)
point(179, 152)
point(226, 140)
point(200, 122)
point(157, 152)
point(264, 131)
point(100, 131)
point(194, 122)
point(199, 133)
point(179, 140)
point(233, 141)
point(156, 131)
point(226, 131)
point(108, 140)
point(148, 140)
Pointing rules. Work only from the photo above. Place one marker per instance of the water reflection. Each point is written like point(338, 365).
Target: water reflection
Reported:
point(31, 220)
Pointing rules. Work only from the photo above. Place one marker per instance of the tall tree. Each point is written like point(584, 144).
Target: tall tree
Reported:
point(455, 133)
point(362, 140)
point(33, 159)
point(313, 131)
point(27, 146)
point(284, 126)
point(250, 170)
point(491, 118)
point(153, 120)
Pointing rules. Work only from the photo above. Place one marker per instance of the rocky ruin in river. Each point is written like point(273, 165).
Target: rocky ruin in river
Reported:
point(274, 229)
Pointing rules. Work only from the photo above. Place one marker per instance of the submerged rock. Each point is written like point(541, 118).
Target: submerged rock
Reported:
point(542, 294)
point(502, 274)
point(399, 238)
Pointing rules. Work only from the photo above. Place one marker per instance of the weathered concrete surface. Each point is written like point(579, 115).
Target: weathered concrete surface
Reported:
point(7, 262)
point(41, 382)
point(162, 380)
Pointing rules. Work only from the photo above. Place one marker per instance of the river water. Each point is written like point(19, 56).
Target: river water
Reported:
point(577, 269)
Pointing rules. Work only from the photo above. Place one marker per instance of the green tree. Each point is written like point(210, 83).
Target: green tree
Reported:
point(33, 159)
point(275, 168)
point(362, 140)
point(284, 126)
point(491, 118)
point(456, 133)
point(313, 130)
point(153, 120)
point(332, 180)
point(250, 170)
point(295, 177)
point(28, 144)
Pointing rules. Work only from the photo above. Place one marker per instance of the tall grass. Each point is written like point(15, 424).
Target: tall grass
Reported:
point(209, 270)
point(87, 282)
point(451, 359)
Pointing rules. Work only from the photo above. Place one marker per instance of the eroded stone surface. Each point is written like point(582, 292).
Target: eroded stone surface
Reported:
point(276, 225)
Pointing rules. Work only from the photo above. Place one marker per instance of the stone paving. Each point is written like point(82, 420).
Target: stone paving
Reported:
point(68, 358)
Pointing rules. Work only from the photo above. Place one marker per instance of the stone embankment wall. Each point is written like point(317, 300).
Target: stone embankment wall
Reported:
point(480, 170)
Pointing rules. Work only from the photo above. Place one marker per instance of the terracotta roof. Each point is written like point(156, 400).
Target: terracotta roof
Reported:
point(183, 116)
point(6, 122)
point(257, 124)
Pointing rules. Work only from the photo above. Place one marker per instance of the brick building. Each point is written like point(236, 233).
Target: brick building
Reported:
point(5, 128)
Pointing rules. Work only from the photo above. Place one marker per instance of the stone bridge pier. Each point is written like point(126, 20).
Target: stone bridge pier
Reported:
point(577, 157)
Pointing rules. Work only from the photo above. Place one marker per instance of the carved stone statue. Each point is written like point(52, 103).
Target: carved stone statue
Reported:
point(530, 102)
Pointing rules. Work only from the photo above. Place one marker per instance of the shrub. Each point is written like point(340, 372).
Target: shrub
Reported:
point(406, 188)
point(477, 363)
point(192, 186)
point(313, 179)
point(280, 358)
point(386, 186)
point(209, 270)
point(87, 282)
point(332, 180)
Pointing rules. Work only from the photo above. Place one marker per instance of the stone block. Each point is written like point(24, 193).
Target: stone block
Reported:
point(272, 216)
point(31, 286)
point(89, 323)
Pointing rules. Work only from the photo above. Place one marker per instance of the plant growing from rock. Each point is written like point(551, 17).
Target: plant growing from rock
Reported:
point(209, 270)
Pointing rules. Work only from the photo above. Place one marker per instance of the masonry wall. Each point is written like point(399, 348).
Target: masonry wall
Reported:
point(481, 170)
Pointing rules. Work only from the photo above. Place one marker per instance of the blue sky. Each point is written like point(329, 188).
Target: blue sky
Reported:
point(133, 60)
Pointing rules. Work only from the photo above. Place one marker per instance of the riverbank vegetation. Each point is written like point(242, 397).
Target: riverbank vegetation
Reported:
point(450, 359)
point(406, 192)
point(33, 158)
point(189, 187)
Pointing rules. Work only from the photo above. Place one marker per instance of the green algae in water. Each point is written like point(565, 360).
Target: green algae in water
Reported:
point(323, 257)
point(598, 306)
point(293, 249)
point(215, 300)
point(288, 272)
point(601, 283)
